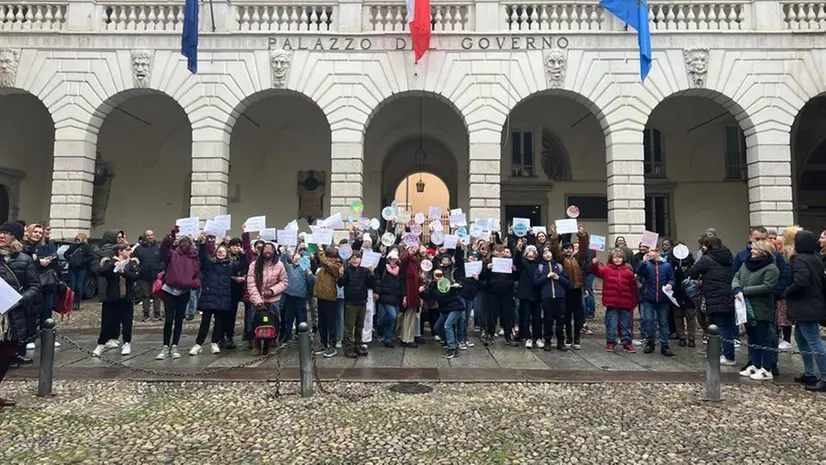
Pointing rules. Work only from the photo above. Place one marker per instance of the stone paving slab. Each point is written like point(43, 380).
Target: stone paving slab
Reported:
point(495, 363)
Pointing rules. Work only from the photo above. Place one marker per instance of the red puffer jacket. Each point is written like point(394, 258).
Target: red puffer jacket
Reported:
point(619, 285)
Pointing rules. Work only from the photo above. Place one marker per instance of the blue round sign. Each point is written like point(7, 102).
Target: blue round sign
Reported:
point(520, 229)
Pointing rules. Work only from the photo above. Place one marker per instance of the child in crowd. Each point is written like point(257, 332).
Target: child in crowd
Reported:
point(500, 298)
point(356, 281)
point(657, 277)
point(121, 273)
point(619, 296)
point(450, 306)
point(468, 290)
point(552, 281)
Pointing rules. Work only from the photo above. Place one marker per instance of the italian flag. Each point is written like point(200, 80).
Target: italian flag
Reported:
point(418, 19)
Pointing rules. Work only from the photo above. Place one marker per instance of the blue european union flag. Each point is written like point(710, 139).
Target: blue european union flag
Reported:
point(189, 40)
point(635, 14)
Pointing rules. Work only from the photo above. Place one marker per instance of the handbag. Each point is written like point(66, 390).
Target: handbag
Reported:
point(157, 285)
point(49, 282)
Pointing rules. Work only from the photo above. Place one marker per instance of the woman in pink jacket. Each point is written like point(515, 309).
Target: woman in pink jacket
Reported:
point(267, 280)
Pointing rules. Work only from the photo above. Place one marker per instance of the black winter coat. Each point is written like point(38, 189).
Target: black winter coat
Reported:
point(447, 302)
point(356, 282)
point(470, 286)
point(112, 291)
point(389, 288)
point(804, 295)
point(149, 254)
point(714, 268)
point(526, 269)
point(79, 256)
point(110, 238)
point(496, 283)
point(19, 273)
point(216, 281)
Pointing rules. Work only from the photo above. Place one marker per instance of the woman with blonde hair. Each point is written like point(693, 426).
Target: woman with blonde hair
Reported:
point(44, 256)
point(784, 324)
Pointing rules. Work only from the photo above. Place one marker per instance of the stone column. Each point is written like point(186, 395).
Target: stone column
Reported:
point(626, 182)
point(485, 174)
point(210, 172)
point(346, 177)
point(72, 183)
point(768, 158)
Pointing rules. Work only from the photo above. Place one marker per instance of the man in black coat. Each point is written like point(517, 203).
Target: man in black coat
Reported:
point(148, 253)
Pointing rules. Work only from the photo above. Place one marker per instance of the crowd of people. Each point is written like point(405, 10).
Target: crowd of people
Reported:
point(529, 289)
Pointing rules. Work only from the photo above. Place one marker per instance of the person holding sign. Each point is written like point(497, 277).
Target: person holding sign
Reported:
point(266, 281)
point(299, 282)
point(121, 272)
point(468, 277)
point(574, 264)
point(657, 277)
point(552, 282)
point(619, 296)
point(330, 269)
point(411, 303)
point(530, 312)
point(500, 298)
point(450, 306)
point(356, 281)
point(390, 293)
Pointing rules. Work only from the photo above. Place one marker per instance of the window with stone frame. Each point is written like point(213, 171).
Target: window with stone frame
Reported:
point(653, 160)
point(657, 214)
point(523, 159)
point(735, 153)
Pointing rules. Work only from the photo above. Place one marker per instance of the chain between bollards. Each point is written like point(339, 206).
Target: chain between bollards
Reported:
point(305, 360)
point(46, 376)
point(713, 352)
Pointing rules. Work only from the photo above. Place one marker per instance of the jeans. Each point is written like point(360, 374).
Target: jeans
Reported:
point(327, 322)
point(464, 321)
point(725, 321)
point(656, 316)
point(176, 308)
point(807, 335)
point(613, 316)
point(762, 333)
point(388, 322)
point(48, 306)
point(530, 320)
point(479, 306)
point(641, 318)
point(451, 320)
point(589, 303)
point(340, 320)
point(294, 311)
point(76, 278)
point(193, 302)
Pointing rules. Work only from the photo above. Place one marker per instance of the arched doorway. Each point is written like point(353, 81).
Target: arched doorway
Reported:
point(144, 164)
point(280, 160)
point(420, 191)
point(409, 133)
point(695, 168)
point(808, 144)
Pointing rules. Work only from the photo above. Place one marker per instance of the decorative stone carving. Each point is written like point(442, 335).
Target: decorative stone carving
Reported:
point(141, 67)
point(554, 158)
point(555, 65)
point(9, 60)
point(696, 66)
point(311, 194)
point(280, 62)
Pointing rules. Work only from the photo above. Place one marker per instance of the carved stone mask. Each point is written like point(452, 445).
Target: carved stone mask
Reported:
point(8, 67)
point(280, 60)
point(555, 63)
point(141, 67)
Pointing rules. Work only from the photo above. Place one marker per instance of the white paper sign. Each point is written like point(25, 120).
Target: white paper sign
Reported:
point(434, 213)
point(323, 236)
point(288, 237)
point(597, 243)
point(740, 312)
point(188, 226)
point(650, 239)
point(8, 296)
point(370, 258)
point(670, 295)
point(436, 226)
point(334, 222)
point(269, 234)
point(568, 226)
point(255, 224)
point(524, 222)
point(291, 226)
point(502, 265)
point(213, 228)
point(451, 241)
point(225, 221)
point(308, 239)
point(458, 219)
point(473, 268)
point(539, 229)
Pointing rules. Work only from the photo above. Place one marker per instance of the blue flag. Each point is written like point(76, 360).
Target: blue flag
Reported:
point(635, 14)
point(189, 40)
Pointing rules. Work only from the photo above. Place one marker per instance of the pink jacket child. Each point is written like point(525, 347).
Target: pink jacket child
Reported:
point(273, 279)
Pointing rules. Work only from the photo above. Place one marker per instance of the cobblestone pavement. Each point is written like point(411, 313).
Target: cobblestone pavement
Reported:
point(122, 422)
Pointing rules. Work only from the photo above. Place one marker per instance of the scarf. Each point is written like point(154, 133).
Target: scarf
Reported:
point(754, 264)
point(393, 269)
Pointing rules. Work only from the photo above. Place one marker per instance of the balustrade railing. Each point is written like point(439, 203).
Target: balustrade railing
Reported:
point(691, 15)
point(285, 17)
point(555, 16)
point(804, 15)
point(443, 17)
point(143, 17)
point(32, 16)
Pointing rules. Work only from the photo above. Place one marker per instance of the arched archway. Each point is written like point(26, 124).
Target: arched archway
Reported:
point(694, 147)
point(26, 156)
point(143, 163)
point(553, 154)
point(280, 162)
point(808, 147)
point(412, 132)
point(434, 192)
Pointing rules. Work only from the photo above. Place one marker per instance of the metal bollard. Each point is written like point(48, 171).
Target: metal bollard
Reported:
point(713, 353)
point(44, 380)
point(305, 360)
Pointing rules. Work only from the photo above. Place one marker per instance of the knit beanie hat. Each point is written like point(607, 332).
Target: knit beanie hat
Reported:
point(531, 248)
point(366, 238)
point(393, 254)
point(14, 228)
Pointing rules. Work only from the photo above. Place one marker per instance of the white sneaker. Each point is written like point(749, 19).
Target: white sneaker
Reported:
point(30, 346)
point(470, 344)
point(338, 344)
point(540, 344)
point(462, 346)
point(737, 343)
point(56, 345)
point(750, 370)
point(127, 349)
point(437, 338)
point(214, 348)
point(762, 375)
point(638, 342)
point(528, 344)
point(196, 349)
point(726, 362)
point(174, 352)
point(164, 353)
point(501, 332)
point(112, 344)
point(784, 346)
point(99, 350)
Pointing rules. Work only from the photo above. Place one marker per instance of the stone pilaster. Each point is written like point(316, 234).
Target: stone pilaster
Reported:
point(768, 158)
point(626, 182)
point(72, 183)
point(485, 175)
point(210, 172)
point(346, 178)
